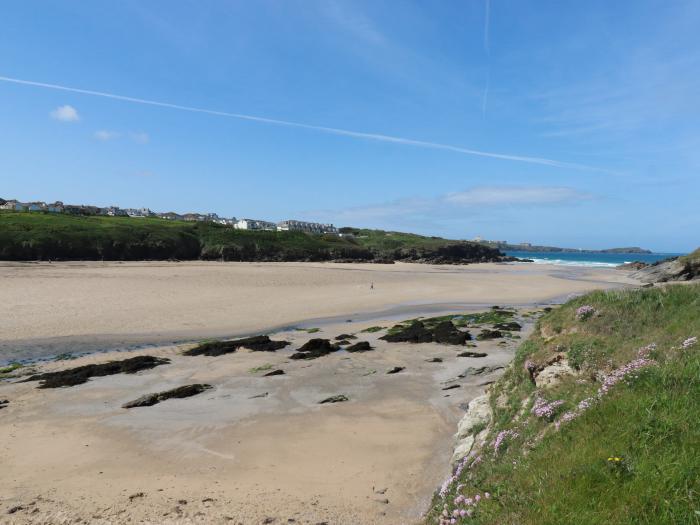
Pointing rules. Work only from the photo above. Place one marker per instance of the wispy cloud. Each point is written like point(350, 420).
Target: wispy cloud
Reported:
point(324, 129)
point(455, 205)
point(140, 137)
point(353, 21)
point(65, 114)
point(503, 195)
point(105, 135)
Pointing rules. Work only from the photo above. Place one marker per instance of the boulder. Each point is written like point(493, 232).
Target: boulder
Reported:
point(361, 346)
point(487, 334)
point(345, 337)
point(478, 415)
point(415, 333)
point(271, 373)
point(509, 326)
point(315, 348)
point(396, 370)
point(472, 354)
point(447, 333)
point(553, 374)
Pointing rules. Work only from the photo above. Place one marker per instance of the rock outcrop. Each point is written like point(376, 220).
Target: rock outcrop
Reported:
point(81, 374)
point(361, 346)
point(315, 348)
point(258, 343)
point(176, 393)
point(472, 428)
point(417, 332)
point(675, 269)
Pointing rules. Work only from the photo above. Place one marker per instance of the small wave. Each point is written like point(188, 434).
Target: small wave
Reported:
point(562, 262)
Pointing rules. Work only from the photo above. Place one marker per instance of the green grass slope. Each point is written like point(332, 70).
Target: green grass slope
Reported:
point(616, 442)
point(32, 236)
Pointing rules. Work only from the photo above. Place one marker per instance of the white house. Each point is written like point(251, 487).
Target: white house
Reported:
point(254, 224)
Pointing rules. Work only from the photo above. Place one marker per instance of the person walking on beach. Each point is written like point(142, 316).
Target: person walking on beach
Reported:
point(371, 286)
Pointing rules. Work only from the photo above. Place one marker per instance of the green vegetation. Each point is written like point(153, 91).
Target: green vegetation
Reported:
point(493, 316)
point(261, 368)
point(8, 371)
point(571, 454)
point(372, 329)
point(34, 235)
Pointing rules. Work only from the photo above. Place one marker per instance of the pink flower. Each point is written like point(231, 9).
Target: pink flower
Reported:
point(462, 513)
point(584, 312)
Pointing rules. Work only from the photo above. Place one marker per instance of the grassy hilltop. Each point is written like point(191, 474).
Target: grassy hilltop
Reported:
point(615, 441)
point(32, 236)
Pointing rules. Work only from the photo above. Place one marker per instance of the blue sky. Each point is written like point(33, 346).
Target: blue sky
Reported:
point(555, 122)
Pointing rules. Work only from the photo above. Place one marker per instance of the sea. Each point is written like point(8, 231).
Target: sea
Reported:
point(582, 258)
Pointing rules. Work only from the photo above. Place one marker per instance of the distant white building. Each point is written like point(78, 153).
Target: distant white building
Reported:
point(138, 212)
point(307, 227)
point(254, 224)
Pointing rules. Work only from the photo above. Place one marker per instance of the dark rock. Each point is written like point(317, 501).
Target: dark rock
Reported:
point(342, 342)
point(672, 269)
point(362, 346)
point(81, 374)
point(447, 333)
point(14, 509)
point(477, 371)
point(277, 372)
point(472, 354)
point(258, 343)
point(264, 394)
point(489, 334)
point(176, 393)
point(634, 265)
point(396, 370)
point(135, 496)
point(450, 387)
point(334, 399)
point(315, 348)
point(267, 521)
point(345, 336)
point(434, 360)
point(509, 326)
point(415, 333)
point(4, 403)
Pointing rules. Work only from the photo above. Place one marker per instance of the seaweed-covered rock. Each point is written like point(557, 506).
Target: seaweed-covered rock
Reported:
point(509, 326)
point(342, 342)
point(489, 334)
point(472, 354)
point(415, 333)
point(258, 343)
point(176, 393)
point(396, 370)
point(340, 398)
point(342, 337)
point(81, 374)
point(447, 333)
point(362, 346)
point(315, 348)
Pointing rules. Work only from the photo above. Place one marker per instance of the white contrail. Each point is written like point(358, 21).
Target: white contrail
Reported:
point(335, 131)
point(487, 19)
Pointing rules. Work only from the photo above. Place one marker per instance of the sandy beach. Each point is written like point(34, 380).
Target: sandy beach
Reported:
point(253, 449)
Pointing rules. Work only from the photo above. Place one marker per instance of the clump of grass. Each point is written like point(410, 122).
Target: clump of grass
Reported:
point(550, 469)
point(261, 368)
point(8, 371)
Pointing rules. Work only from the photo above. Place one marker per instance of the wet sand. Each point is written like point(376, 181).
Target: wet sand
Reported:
point(49, 309)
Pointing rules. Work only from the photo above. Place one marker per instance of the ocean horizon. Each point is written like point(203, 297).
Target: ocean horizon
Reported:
point(593, 259)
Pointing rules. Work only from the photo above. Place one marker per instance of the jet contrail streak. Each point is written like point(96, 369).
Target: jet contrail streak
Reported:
point(324, 129)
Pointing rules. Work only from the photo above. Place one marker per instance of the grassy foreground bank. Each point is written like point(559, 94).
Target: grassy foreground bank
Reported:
point(40, 236)
point(615, 440)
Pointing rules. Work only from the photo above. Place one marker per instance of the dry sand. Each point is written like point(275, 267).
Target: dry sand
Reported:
point(224, 456)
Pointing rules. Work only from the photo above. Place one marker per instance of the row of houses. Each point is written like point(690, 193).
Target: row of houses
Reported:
point(115, 211)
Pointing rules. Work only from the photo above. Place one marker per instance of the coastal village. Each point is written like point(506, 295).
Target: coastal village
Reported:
point(115, 211)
